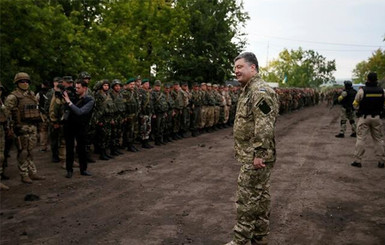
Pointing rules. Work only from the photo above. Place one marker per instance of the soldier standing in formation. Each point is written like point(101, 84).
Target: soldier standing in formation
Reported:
point(23, 106)
point(371, 108)
point(347, 111)
point(118, 117)
point(145, 113)
point(168, 132)
point(254, 145)
point(132, 109)
point(196, 104)
point(160, 104)
point(3, 123)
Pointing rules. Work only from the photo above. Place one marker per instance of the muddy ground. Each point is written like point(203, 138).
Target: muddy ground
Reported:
point(184, 193)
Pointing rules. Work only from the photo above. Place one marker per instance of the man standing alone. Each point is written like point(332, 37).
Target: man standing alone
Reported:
point(255, 149)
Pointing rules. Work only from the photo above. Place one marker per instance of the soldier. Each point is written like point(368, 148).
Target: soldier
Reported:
point(370, 103)
point(234, 100)
point(118, 117)
point(210, 108)
point(132, 110)
point(145, 113)
point(160, 112)
point(3, 123)
point(54, 132)
point(103, 118)
point(178, 108)
point(186, 111)
point(41, 97)
point(196, 104)
point(168, 132)
point(347, 111)
point(204, 107)
point(254, 146)
point(227, 99)
point(23, 106)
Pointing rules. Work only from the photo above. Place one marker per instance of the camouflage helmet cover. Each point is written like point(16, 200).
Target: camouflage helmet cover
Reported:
point(115, 82)
point(21, 76)
point(84, 75)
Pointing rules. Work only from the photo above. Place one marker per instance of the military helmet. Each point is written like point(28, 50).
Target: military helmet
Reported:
point(21, 76)
point(115, 82)
point(98, 85)
point(84, 75)
point(348, 84)
point(157, 83)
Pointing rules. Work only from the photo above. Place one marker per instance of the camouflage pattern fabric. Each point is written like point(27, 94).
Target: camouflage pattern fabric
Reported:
point(254, 125)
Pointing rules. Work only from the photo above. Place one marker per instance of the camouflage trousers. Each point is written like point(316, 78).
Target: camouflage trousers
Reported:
point(58, 143)
point(159, 125)
point(345, 116)
point(210, 116)
point(43, 133)
point(253, 203)
point(116, 133)
point(195, 118)
point(185, 119)
point(25, 143)
point(145, 126)
point(202, 119)
point(2, 147)
point(227, 114)
point(217, 111)
point(369, 126)
point(130, 129)
point(176, 121)
point(103, 135)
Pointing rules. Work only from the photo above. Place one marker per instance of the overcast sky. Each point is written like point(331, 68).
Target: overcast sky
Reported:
point(345, 30)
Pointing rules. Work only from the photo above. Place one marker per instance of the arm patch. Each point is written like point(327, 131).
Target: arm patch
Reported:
point(264, 107)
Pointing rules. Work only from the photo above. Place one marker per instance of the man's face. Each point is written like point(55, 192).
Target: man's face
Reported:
point(244, 71)
point(196, 88)
point(145, 85)
point(23, 84)
point(166, 90)
point(209, 88)
point(80, 90)
point(131, 86)
point(138, 83)
point(87, 80)
point(176, 87)
point(106, 87)
point(157, 88)
point(117, 88)
point(185, 87)
point(203, 87)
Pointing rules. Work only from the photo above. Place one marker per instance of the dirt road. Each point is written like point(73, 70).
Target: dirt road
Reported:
point(184, 193)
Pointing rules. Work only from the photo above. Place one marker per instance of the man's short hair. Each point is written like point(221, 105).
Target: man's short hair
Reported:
point(250, 58)
point(81, 82)
point(372, 77)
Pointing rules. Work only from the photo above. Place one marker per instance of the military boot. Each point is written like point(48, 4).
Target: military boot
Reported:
point(36, 177)
point(146, 145)
point(103, 155)
point(131, 148)
point(3, 187)
point(26, 179)
point(340, 135)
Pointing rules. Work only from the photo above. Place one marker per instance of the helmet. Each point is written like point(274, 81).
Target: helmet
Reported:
point(115, 82)
point(98, 85)
point(21, 76)
point(84, 75)
point(348, 84)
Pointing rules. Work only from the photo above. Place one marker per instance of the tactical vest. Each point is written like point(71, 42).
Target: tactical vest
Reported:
point(27, 108)
point(108, 105)
point(160, 102)
point(132, 104)
point(347, 102)
point(119, 102)
point(372, 102)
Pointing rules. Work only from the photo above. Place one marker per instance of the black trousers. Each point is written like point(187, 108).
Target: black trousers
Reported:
point(76, 132)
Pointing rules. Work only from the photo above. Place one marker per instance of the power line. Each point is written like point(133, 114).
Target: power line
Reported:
point(326, 43)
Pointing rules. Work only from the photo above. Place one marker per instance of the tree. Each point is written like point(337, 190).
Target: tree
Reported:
point(375, 63)
point(299, 68)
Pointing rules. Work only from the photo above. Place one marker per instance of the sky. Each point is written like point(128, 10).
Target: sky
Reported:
point(347, 31)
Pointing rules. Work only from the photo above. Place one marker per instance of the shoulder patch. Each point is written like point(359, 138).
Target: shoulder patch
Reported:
point(264, 107)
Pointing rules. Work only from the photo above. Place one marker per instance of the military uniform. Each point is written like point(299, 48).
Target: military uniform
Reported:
point(145, 115)
point(3, 123)
point(118, 117)
point(168, 132)
point(185, 114)
point(196, 104)
point(347, 112)
point(178, 108)
point(23, 107)
point(160, 104)
point(370, 103)
point(254, 125)
point(210, 108)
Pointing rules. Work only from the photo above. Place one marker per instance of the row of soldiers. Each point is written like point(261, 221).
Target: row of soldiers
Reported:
point(291, 99)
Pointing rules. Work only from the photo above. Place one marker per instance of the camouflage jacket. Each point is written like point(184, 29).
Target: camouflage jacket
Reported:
point(255, 122)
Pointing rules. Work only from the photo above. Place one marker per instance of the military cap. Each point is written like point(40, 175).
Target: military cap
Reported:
point(184, 83)
point(221, 86)
point(215, 85)
point(203, 84)
point(176, 83)
point(68, 79)
point(145, 80)
point(195, 84)
point(167, 85)
point(58, 79)
point(131, 80)
point(157, 83)
point(84, 75)
point(208, 84)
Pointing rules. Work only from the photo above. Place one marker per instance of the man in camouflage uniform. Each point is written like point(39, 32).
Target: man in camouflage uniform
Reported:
point(234, 100)
point(210, 119)
point(196, 104)
point(159, 101)
point(3, 123)
point(254, 146)
point(23, 106)
point(185, 117)
point(132, 109)
point(118, 117)
point(178, 108)
point(103, 117)
point(168, 132)
point(202, 120)
point(42, 98)
point(145, 113)
point(218, 105)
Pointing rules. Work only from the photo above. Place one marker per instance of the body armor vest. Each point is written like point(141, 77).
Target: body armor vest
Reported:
point(347, 102)
point(27, 108)
point(372, 102)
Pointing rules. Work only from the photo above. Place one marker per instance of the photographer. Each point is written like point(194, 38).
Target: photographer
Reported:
point(75, 125)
